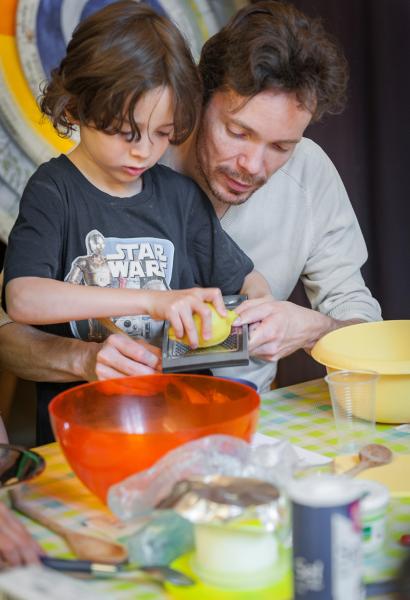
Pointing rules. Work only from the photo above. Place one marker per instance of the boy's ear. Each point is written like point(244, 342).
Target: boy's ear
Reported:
point(70, 118)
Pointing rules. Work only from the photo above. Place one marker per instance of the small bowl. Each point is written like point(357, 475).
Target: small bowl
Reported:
point(111, 429)
point(18, 465)
point(384, 347)
point(251, 384)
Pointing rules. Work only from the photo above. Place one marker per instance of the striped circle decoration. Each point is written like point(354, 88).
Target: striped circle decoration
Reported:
point(33, 38)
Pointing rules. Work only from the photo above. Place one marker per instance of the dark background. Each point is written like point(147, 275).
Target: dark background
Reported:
point(369, 144)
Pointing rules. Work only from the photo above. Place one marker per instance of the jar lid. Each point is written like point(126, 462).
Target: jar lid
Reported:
point(375, 495)
point(323, 490)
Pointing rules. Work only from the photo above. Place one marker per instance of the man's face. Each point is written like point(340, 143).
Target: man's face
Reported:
point(242, 143)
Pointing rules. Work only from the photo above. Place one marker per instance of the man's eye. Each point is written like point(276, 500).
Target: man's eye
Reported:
point(236, 134)
point(280, 148)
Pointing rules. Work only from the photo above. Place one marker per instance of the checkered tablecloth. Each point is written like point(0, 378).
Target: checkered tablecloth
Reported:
point(300, 413)
point(303, 415)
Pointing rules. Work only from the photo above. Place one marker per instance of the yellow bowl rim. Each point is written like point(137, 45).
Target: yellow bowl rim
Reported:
point(339, 361)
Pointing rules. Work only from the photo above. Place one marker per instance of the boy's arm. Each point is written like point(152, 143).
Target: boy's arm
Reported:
point(39, 301)
point(42, 301)
point(256, 286)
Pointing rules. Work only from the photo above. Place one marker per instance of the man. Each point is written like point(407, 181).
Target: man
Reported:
point(17, 547)
point(267, 75)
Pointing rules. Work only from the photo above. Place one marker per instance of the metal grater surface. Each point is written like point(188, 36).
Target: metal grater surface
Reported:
point(177, 357)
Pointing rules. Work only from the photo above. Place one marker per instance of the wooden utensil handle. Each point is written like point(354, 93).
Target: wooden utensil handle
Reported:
point(108, 324)
point(361, 466)
point(33, 512)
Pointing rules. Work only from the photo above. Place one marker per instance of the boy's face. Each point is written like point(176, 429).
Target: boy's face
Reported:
point(112, 162)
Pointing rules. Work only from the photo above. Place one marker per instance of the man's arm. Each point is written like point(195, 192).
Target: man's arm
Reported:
point(35, 355)
point(39, 356)
point(17, 547)
point(334, 253)
point(256, 286)
point(280, 327)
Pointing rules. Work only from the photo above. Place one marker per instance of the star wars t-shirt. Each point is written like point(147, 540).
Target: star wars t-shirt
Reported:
point(165, 237)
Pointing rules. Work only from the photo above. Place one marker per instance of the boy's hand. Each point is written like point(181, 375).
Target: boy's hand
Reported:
point(178, 308)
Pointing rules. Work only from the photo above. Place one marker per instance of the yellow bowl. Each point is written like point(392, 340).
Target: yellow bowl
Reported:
point(384, 347)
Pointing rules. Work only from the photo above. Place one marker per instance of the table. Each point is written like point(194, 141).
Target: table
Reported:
point(300, 413)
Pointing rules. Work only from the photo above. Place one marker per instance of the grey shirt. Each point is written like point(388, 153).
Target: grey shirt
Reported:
point(301, 225)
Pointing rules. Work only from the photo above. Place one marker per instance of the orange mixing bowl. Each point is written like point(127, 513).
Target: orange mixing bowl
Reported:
point(111, 429)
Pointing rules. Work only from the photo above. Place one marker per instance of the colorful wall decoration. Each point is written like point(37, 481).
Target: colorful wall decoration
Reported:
point(33, 38)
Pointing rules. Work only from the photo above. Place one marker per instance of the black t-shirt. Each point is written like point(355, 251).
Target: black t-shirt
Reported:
point(166, 237)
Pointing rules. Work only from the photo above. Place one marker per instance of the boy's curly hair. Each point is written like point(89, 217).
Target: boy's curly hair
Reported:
point(114, 57)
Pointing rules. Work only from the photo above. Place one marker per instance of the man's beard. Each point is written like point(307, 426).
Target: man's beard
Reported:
point(231, 197)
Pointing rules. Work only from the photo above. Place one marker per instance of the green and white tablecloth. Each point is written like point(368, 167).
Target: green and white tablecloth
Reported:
point(301, 414)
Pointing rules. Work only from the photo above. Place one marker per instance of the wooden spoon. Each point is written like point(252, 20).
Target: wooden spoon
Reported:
point(84, 546)
point(110, 325)
point(372, 455)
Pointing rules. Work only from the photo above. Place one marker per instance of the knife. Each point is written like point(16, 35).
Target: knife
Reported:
point(160, 572)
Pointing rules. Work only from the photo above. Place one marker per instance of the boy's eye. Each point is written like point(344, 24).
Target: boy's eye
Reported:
point(164, 133)
point(127, 135)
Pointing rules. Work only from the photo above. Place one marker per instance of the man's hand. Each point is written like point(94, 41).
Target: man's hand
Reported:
point(279, 328)
point(17, 547)
point(119, 356)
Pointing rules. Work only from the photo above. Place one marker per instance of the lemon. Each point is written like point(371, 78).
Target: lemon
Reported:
point(221, 328)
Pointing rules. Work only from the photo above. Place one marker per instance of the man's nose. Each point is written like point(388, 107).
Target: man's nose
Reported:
point(252, 160)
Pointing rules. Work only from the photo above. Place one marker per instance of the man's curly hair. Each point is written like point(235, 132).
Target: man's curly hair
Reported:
point(270, 45)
